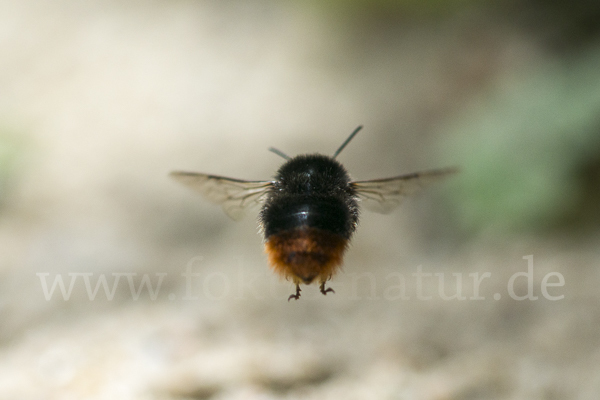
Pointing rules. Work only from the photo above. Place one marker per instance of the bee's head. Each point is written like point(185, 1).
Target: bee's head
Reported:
point(312, 173)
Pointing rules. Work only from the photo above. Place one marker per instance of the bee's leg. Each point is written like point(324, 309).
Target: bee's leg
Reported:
point(297, 295)
point(325, 291)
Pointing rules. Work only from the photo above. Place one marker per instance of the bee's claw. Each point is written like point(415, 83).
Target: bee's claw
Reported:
point(295, 296)
point(325, 291)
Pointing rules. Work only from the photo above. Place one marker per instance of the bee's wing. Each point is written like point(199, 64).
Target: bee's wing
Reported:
point(234, 195)
point(383, 195)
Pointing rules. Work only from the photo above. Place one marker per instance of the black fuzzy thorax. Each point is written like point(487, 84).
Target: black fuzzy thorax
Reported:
point(311, 191)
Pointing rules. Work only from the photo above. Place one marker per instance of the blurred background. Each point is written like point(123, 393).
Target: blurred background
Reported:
point(100, 100)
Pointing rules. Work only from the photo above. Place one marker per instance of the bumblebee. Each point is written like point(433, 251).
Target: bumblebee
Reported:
point(310, 209)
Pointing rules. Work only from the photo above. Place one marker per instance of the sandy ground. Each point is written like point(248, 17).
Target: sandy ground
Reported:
point(101, 100)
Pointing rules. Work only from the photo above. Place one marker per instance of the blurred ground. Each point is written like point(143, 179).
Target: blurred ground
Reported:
point(100, 100)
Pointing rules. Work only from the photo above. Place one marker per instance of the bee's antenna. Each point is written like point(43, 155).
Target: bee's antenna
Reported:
point(279, 153)
point(347, 141)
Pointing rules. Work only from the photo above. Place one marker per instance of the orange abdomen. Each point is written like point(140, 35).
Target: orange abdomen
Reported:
point(305, 253)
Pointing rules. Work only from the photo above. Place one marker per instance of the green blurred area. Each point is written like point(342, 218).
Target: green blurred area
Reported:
point(530, 150)
point(528, 141)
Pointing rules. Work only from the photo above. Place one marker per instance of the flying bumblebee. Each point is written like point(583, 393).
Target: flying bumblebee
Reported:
point(309, 210)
